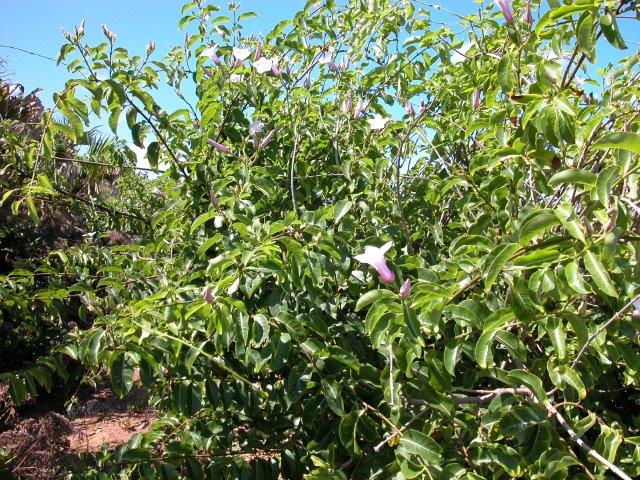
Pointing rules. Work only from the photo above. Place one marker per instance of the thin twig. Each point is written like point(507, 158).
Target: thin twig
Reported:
point(604, 326)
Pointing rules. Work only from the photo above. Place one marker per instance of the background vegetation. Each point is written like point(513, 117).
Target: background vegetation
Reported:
point(500, 163)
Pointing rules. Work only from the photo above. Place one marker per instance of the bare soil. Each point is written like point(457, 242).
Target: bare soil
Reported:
point(43, 439)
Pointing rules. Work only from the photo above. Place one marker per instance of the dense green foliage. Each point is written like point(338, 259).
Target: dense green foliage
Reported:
point(507, 184)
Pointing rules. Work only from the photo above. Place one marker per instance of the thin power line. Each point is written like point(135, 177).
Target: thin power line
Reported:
point(29, 52)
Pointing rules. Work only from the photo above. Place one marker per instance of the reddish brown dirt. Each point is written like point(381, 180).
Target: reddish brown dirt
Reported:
point(42, 440)
point(104, 418)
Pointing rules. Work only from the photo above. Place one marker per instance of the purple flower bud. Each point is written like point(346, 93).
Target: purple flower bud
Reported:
point(255, 139)
point(237, 63)
point(505, 6)
point(208, 296)
point(528, 16)
point(476, 99)
point(405, 289)
point(265, 142)
point(213, 199)
point(218, 146)
point(159, 193)
point(258, 52)
point(408, 107)
point(332, 66)
point(423, 108)
point(275, 69)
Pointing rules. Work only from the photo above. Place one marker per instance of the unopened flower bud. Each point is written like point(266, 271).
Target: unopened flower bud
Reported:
point(408, 107)
point(213, 199)
point(208, 296)
point(423, 108)
point(476, 99)
point(218, 146)
point(151, 47)
point(275, 69)
point(405, 289)
point(265, 142)
point(109, 34)
point(528, 16)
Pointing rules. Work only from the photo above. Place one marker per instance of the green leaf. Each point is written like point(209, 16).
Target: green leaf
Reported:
point(599, 274)
point(153, 154)
point(373, 296)
point(138, 133)
point(575, 279)
point(572, 378)
point(186, 397)
point(569, 219)
point(551, 17)
point(609, 26)
point(585, 35)
point(558, 336)
point(451, 356)
point(16, 389)
point(90, 347)
point(535, 224)
point(31, 208)
point(517, 378)
point(332, 391)
point(247, 15)
point(114, 116)
point(483, 353)
point(121, 372)
point(604, 183)
point(206, 216)
point(347, 431)
point(505, 72)
point(495, 262)
point(420, 444)
point(623, 140)
point(44, 182)
point(341, 209)
point(579, 176)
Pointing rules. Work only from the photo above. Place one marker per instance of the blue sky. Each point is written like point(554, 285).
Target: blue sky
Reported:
point(36, 25)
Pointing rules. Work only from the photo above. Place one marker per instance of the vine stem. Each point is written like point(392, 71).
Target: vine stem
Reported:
point(603, 327)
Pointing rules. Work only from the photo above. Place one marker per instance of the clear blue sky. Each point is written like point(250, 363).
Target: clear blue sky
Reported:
point(36, 25)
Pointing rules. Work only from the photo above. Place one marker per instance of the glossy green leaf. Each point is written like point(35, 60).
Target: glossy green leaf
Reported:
point(373, 296)
point(495, 262)
point(421, 445)
point(599, 274)
point(623, 140)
